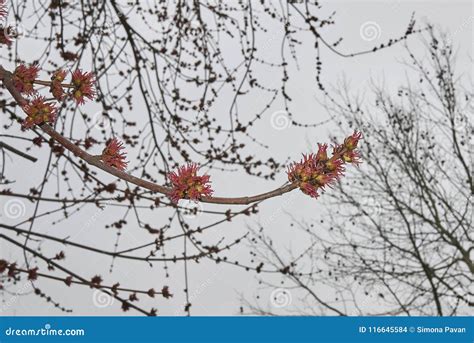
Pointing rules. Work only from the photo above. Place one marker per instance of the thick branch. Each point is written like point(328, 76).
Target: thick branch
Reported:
point(6, 78)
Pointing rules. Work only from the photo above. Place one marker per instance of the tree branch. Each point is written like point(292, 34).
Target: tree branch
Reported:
point(6, 78)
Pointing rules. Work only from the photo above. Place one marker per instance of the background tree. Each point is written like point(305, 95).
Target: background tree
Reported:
point(170, 80)
point(398, 235)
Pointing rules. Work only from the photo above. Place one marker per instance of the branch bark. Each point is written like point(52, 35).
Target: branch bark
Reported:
point(6, 77)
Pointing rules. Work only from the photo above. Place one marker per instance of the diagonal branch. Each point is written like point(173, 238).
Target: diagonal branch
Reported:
point(18, 152)
point(6, 78)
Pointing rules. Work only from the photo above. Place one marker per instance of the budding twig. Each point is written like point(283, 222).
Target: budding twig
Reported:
point(84, 81)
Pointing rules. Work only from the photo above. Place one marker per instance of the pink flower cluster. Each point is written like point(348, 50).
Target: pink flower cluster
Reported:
point(186, 184)
point(113, 156)
point(56, 87)
point(24, 79)
point(317, 171)
point(38, 112)
point(83, 84)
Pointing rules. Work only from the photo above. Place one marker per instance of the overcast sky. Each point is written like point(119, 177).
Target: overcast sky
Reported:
point(215, 288)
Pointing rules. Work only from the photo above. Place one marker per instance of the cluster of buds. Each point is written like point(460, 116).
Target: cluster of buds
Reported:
point(186, 184)
point(317, 171)
point(39, 111)
point(24, 80)
point(113, 156)
point(56, 87)
point(82, 86)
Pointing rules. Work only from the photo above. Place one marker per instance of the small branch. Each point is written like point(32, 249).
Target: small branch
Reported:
point(70, 273)
point(90, 284)
point(114, 254)
point(6, 78)
point(18, 152)
point(48, 83)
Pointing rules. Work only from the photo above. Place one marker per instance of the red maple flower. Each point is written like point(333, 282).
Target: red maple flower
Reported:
point(312, 174)
point(24, 77)
point(316, 171)
point(322, 154)
point(83, 86)
point(3, 9)
point(113, 156)
point(38, 112)
point(56, 84)
point(186, 184)
point(351, 157)
point(351, 142)
point(302, 170)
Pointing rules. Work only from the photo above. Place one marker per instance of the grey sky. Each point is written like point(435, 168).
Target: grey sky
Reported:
point(214, 288)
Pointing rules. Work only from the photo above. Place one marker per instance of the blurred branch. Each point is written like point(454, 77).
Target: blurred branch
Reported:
point(18, 152)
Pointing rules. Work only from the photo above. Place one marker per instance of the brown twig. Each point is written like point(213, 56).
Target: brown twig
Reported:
point(6, 78)
point(18, 152)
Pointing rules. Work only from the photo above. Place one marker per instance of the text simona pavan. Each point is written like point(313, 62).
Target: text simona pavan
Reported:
point(445, 329)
